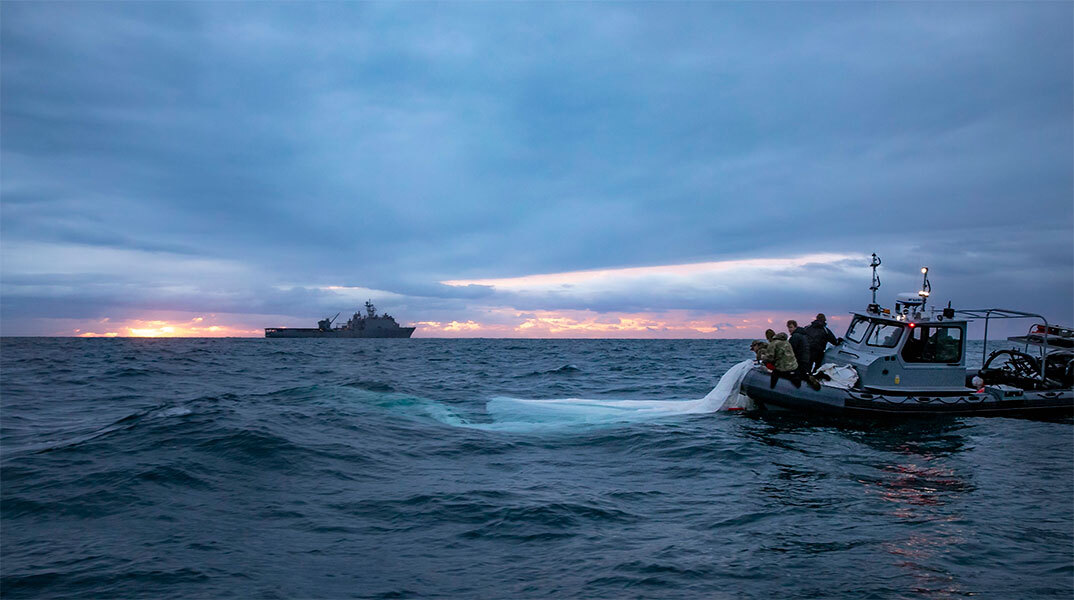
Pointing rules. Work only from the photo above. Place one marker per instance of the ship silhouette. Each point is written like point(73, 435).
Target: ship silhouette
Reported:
point(369, 325)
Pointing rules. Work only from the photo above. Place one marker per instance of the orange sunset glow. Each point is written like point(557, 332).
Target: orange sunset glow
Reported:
point(589, 324)
point(498, 323)
point(196, 327)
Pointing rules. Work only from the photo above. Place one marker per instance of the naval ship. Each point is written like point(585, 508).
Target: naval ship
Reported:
point(371, 325)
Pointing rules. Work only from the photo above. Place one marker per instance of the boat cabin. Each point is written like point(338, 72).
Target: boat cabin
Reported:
point(906, 350)
point(896, 353)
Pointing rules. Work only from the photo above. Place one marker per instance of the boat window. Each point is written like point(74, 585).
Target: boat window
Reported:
point(885, 335)
point(857, 329)
point(933, 344)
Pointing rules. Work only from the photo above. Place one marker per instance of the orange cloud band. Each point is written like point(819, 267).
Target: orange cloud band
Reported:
point(196, 327)
point(589, 324)
point(504, 323)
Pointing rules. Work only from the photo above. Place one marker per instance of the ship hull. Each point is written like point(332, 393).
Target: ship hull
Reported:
point(299, 332)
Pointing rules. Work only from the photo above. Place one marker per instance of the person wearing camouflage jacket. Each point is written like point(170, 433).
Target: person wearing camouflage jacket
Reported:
point(781, 356)
point(779, 352)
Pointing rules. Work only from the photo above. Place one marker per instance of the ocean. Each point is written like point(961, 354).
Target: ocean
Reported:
point(425, 468)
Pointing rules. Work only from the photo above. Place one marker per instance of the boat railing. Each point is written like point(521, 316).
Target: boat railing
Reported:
point(1005, 313)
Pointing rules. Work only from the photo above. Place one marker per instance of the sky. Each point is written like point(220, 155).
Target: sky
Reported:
point(534, 169)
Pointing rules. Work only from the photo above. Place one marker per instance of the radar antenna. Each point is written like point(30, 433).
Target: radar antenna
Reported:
point(874, 307)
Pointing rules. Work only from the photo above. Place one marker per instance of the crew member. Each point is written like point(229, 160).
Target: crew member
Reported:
point(758, 348)
point(800, 344)
point(819, 337)
point(781, 357)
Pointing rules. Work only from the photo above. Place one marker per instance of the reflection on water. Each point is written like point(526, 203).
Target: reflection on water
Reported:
point(908, 476)
point(912, 484)
point(923, 489)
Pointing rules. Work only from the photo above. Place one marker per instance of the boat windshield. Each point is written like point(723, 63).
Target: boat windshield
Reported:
point(885, 335)
point(933, 344)
point(857, 329)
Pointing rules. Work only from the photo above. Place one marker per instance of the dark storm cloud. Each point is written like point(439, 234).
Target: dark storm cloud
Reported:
point(221, 156)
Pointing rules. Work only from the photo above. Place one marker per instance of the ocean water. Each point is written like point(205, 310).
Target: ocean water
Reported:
point(197, 468)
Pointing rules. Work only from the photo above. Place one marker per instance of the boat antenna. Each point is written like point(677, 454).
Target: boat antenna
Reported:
point(876, 278)
point(926, 287)
point(874, 307)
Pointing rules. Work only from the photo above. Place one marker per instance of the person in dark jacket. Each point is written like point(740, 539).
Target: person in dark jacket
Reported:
point(819, 337)
point(800, 344)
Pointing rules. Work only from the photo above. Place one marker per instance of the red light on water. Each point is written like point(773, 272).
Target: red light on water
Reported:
point(912, 325)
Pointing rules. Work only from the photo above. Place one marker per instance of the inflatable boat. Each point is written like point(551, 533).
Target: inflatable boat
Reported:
point(908, 361)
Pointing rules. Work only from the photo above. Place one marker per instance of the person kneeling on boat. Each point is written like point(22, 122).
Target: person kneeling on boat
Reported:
point(758, 348)
point(779, 356)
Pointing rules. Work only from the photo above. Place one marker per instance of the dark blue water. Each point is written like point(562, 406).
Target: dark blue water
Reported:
point(409, 468)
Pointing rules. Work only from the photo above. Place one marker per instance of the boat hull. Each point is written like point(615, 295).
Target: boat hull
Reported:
point(299, 332)
point(876, 403)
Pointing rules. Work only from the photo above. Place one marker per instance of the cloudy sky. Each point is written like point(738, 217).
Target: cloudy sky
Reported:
point(528, 169)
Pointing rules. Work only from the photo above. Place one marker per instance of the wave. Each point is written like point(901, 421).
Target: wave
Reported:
point(372, 386)
point(119, 583)
point(123, 372)
point(563, 370)
point(126, 422)
point(488, 514)
point(255, 447)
